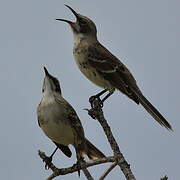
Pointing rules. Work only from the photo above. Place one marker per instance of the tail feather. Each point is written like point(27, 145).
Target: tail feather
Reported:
point(64, 149)
point(151, 109)
point(93, 152)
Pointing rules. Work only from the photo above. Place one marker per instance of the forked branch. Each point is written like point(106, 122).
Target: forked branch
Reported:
point(74, 168)
point(97, 113)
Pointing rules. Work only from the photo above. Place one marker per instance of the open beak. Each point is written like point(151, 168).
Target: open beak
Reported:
point(74, 12)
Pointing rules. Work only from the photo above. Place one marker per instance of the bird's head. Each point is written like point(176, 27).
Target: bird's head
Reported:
point(83, 25)
point(50, 84)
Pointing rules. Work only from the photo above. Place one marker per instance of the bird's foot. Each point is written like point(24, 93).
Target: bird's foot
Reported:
point(48, 161)
point(96, 105)
point(78, 166)
point(95, 102)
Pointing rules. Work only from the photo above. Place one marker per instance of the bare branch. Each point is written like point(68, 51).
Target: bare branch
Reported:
point(87, 174)
point(52, 176)
point(97, 113)
point(108, 171)
point(81, 166)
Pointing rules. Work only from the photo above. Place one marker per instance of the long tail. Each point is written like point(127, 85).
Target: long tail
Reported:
point(151, 109)
point(93, 152)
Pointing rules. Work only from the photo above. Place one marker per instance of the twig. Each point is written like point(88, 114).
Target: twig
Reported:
point(108, 171)
point(52, 176)
point(63, 171)
point(97, 113)
point(87, 174)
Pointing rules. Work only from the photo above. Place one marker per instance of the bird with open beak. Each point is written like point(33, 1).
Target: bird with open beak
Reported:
point(102, 68)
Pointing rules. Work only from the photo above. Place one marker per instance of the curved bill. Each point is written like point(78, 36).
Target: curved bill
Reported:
point(73, 11)
point(64, 20)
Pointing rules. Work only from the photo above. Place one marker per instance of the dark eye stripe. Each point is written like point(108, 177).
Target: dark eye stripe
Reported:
point(56, 83)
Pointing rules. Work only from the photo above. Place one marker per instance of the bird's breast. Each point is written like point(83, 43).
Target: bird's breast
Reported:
point(55, 125)
point(81, 58)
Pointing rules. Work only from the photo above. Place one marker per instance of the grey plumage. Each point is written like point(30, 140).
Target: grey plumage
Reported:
point(60, 123)
point(103, 68)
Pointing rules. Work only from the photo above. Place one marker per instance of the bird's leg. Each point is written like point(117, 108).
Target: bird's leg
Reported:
point(97, 97)
point(108, 95)
point(48, 160)
point(97, 103)
point(78, 165)
point(80, 159)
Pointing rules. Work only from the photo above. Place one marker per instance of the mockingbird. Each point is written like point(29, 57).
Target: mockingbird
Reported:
point(60, 123)
point(103, 68)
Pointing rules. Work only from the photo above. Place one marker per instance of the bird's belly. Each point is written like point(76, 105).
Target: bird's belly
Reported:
point(93, 76)
point(91, 72)
point(60, 132)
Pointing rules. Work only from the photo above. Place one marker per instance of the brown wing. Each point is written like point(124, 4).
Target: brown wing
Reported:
point(73, 118)
point(113, 70)
point(120, 77)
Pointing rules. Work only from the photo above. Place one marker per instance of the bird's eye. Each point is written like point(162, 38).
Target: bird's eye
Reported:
point(43, 90)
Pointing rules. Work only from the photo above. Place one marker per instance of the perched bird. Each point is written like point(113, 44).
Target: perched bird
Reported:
point(104, 69)
point(60, 123)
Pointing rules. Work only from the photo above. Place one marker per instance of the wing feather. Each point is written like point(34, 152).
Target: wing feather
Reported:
point(73, 118)
point(112, 70)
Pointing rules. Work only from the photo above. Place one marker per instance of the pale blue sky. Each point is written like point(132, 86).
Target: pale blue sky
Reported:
point(144, 34)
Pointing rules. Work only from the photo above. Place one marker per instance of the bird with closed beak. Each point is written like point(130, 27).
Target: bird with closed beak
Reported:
point(61, 124)
point(102, 68)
